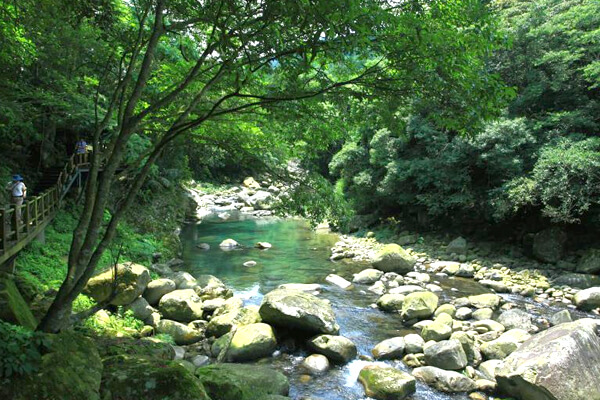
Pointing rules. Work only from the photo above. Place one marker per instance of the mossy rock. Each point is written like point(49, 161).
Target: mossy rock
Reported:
point(13, 308)
point(393, 258)
point(386, 383)
point(242, 382)
point(132, 378)
point(71, 370)
point(145, 347)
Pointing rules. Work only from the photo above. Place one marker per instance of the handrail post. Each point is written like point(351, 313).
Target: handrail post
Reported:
point(15, 223)
point(3, 231)
point(26, 216)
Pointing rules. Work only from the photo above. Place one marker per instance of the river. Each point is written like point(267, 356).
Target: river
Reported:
point(301, 255)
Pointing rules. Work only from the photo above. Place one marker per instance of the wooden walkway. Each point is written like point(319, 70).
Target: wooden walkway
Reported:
point(37, 211)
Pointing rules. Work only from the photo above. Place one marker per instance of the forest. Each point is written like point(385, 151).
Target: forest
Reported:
point(306, 199)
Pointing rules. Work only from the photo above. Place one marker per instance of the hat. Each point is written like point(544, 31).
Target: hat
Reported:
point(17, 177)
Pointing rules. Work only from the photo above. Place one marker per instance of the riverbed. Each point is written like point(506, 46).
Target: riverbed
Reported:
point(301, 255)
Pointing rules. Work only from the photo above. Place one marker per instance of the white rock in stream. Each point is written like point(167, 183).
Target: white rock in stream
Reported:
point(338, 281)
point(250, 264)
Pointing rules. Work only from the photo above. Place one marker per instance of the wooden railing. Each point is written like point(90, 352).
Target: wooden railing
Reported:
point(36, 211)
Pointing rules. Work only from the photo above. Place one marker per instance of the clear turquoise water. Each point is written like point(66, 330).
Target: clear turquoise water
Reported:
point(299, 255)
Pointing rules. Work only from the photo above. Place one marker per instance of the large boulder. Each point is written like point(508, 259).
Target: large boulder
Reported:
point(131, 281)
point(548, 245)
point(562, 363)
point(132, 378)
point(157, 289)
point(182, 305)
point(447, 354)
point(181, 334)
point(419, 305)
point(389, 349)
point(590, 262)
point(588, 299)
point(582, 281)
point(221, 324)
point(337, 348)
point(70, 369)
point(251, 342)
point(457, 246)
point(13, 307)
point(299, 310)
point(444, 381)
point(393, 258)
point(242, 382)
point(140, 308)
point(386, 383)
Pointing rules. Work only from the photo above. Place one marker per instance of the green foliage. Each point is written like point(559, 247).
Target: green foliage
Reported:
point(166, 338)
point(120, 323)
point(21, 350)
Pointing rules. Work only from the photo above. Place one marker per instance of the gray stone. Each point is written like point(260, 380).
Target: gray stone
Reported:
point(458, 246)
point(157, 289)
point(140, 308)
point(367, 276)
point(337, 348)
point(419, 305)
point(486, 300)
point(300, 310)
point(413, 343)
point(251, 342)
point(389, 349)
point(561, 363)
point(447, 354)
point(502, 347)
point(561, 317)
point(548, 245)
point(517, 319)
point(436, 331)
point(221, 324)
point(444, 381)
point(181, 305)
point(131, 281)
point(393, 258)
point(315, 364)
point(391, 302)
point(386, 383)
point(588, 299)
point(182, 334)
point(590, 262)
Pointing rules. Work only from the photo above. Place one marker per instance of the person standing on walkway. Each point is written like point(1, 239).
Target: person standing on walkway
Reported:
point(18, 192)
point(81, 146)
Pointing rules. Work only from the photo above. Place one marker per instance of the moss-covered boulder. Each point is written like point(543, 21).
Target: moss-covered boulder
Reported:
point(444, 381)
point(131, 281)
point(389, 349)
point(71, 370)
point(242, 382)
point(386, 383)
point(181, 305)
point(13, 308)
point(391, 302)
point(588, 299)
point(485, 300)
point(393, 258)
point(251, 342)
point(133, 378)
point(590, 262)
point(221, 324)
point(149, 347)
point(419, 305)
point(298, 310)
point(156, 289)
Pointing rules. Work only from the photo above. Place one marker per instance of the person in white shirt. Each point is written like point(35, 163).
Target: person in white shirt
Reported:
point(18, 192)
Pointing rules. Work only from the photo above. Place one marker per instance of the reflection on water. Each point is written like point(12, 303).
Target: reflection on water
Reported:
point(300, 255)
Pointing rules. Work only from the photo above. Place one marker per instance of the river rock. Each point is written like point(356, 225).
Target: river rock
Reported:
point(469, 345)
point(242, 382)
point(406, 289)
point(131, 281)
point(367, 276)
point(315, 364)
point(221, 324)
point(449, 309)
point(486, 300)
point(502, 347)
point(561, 363)
point(229, 244)
point(377, 288)
point(548, 245)
point(313, 288)
point(446, 267)
point(419, 305)
point(488, 325)
point(413, 343)
point(466, 271)
point(463, 313)
point(488, 368)
point(249, 264)
point(482, 314)
point(582, 281)
point(337, 348)
point(182, 334)
point(457, 246)
point(561, 317)
point(181, 305)
point(436, 331)
point(590, 262)
point(251, 183)
point(300, 310)
point(184, 280)
point(391, 302)
point(263, 245)
point(338, 281)
point(517, 319)
point(393, 258)
point(444, 381)
point(447, 354)
point(140, 308)
point(386, 383)
point(588, 299)
point(157, 289)
point(251, 342)
point(389, 349)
